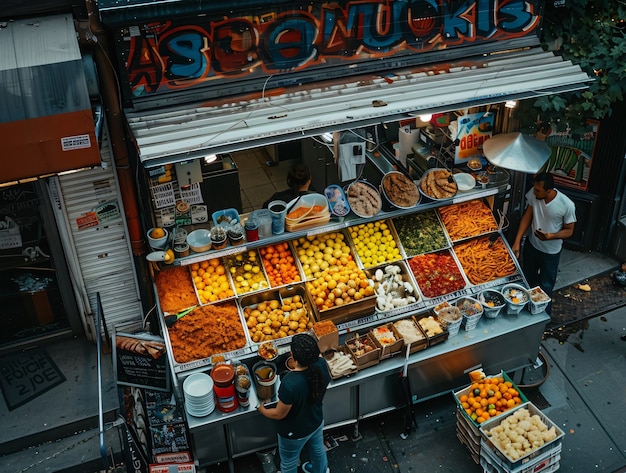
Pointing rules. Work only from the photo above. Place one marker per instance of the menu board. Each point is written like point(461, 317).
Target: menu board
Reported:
point(140, 361)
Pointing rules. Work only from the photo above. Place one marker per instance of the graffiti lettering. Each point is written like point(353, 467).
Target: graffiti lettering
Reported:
point(168, 56)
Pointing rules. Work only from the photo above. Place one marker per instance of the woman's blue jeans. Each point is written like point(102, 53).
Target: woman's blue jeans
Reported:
point(289, 451)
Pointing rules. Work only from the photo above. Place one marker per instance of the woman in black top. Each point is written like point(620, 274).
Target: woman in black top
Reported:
point(299, 408)
point(298, 180)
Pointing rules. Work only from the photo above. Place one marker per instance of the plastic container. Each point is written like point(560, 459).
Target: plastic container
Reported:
point(264, 218)
point(158, 243)
point(252, 229)
point(538, 301)
point(223, 376)
point(516, 297)
point(264, 374)
point(489, 296)
point(278, 210)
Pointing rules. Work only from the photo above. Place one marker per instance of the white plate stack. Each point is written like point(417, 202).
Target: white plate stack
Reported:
point(198, 391)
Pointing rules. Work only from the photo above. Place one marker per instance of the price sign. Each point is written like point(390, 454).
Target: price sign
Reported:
point(140, 361)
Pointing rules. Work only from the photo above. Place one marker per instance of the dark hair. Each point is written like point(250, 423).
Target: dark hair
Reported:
point(298, 176)
point(305, 351)
point(546, 178)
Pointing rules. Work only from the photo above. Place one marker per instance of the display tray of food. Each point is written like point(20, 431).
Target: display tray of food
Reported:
point(534, 434)
point(246, 271)
point(365, 351)
point(211, 281)
point(437, 273)
point(307, 211)
point(341, 362)
point(388, 339)
point(394, 286)
point(342, 294)
point(337, 200)
point(498, 393)
point(365, 201)
point(467, 219)
point(318, 253)
point(434, 331)
point(280, 264)
point(438, 184)
point(399, 190)
point(485, 259)
point(276, 314)
point(175, 290)
point(420, 233)
point(208, 330)
point(375, 243)
point(327, 335)
point(412, 334)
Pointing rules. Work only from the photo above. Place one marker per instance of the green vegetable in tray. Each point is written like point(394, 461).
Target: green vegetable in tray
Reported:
point(420, 233)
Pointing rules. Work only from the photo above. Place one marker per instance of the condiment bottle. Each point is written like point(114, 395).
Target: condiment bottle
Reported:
point(252, 229)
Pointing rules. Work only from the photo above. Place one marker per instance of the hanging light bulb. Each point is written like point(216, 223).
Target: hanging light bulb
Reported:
point(426, 117)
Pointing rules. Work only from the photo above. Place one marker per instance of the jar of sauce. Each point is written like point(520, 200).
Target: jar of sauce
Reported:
point(223, 375)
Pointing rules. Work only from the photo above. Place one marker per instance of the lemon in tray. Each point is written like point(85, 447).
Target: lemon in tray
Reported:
point(247, 272)
point(374, 243)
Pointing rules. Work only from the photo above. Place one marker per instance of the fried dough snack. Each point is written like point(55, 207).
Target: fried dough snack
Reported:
point(175, 289)
point(400, 190)
point(364, 199)
point(438, 184)
point(483, 263)
point(205, 331)
point(467, 219)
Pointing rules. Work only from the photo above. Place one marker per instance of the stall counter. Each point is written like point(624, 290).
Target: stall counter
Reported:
point(506, 343)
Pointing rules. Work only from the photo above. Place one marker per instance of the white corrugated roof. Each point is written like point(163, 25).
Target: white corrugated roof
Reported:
point(165, 136)
point(38, 41)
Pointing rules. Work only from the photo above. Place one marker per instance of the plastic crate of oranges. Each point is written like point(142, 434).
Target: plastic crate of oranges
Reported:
point(211, 281)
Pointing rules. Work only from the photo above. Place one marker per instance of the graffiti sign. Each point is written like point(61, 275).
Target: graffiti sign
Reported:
point(164, 56)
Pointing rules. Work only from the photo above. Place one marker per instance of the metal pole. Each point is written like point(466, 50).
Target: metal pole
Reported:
point(103, 451)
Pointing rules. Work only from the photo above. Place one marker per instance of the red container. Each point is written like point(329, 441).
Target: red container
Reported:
point(223, 376)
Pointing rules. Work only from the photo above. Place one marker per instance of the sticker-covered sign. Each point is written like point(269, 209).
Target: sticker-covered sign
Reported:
point(473, 130)
point(69, 143)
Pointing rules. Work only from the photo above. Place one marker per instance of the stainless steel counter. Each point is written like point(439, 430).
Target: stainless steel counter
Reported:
point(507, 343)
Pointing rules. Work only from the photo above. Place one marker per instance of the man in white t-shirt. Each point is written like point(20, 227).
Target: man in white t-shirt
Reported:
point(551, 216)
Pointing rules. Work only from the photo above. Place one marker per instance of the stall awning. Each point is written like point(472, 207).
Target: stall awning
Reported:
point(46, 123)
point(165, 136)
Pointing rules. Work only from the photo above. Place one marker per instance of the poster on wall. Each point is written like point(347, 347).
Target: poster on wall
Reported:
point(572, 155)
point(473, 130)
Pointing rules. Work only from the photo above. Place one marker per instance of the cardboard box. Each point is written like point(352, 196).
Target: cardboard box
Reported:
point(417, 345)
point(365, 359)
point(389, 349)
point(329, 338)
point(343, 349)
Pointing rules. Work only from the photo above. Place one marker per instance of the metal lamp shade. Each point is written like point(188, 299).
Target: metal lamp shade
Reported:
point(517, 152)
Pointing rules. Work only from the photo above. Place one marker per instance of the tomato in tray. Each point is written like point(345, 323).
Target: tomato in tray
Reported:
point(437, 273)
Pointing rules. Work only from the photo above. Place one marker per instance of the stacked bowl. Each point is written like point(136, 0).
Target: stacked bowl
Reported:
point(450, 318)
point(472, 311)
point(198, 392)
point(492, 302)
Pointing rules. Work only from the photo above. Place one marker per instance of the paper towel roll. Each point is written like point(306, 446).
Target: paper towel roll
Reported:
point(407, 137)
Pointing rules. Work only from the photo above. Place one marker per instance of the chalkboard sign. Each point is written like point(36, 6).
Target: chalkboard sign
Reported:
point(140, 361)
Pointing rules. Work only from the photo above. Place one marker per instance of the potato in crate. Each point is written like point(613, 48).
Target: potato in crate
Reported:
point(533, 432)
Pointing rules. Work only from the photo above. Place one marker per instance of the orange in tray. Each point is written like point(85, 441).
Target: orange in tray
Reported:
point(211, 281)
point(280, 265)
point(488, 397)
